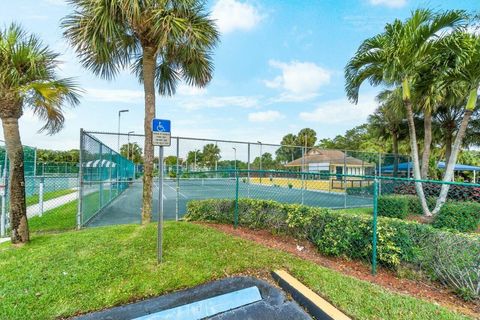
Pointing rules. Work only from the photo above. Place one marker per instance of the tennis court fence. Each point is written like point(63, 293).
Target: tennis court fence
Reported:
point(187, 158)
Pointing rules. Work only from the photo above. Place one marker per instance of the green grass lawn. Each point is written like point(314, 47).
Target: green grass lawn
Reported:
point(61, 218)
point(32, 200)
point(59, 275)
point(367, 211)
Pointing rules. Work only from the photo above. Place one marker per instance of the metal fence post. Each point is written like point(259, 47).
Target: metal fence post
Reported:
point(235, 217)
point(248, 170)
point(345, 179)
point(40, 197)
point(380, 172)
point(80, 182)
point(374, 227)
point(177, 175)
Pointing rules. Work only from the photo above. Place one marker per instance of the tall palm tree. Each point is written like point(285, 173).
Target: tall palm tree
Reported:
point(28, 79)
point(467, 74)
point(394, 58)
point(161, 41)
point(388, 122)
point(210, 155)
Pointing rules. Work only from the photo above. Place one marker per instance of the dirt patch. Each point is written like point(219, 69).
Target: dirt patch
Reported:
point(418, 288)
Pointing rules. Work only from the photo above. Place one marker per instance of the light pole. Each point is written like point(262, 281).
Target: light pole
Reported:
point(235, 158)
point(260, 161)
point(128, 145)
point(195, 163)
point(119, 115)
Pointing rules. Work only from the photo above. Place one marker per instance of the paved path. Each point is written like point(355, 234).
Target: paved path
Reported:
point(34, 210)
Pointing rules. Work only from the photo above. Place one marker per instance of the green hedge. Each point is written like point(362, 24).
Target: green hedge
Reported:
point(457, 215)
point(349, 235)
point(462, 216)
point(393, 206)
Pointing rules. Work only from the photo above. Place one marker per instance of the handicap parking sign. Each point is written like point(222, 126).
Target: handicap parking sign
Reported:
point(161, 125)
point(161, 130)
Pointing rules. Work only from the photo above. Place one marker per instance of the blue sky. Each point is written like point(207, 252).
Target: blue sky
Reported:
point(278, 68)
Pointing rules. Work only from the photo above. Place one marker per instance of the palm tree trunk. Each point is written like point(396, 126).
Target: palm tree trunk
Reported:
point(427, 144)
point(18, 208)
point(452, 160)
point(416, 162)
point(149, 89)
point(395, 153)
point(448, 144)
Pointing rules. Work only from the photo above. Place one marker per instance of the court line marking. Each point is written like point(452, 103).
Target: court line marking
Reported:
point(157, 186)
point(176, 190)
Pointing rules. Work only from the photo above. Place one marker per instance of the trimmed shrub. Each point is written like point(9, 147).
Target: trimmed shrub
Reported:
point(449, 257)
point(393, 206)
point(414, 206)
point(455, 192)
point(461, 216)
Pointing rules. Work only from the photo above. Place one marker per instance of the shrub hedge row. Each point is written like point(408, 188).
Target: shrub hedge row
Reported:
point(350, 235)
point(463, 216)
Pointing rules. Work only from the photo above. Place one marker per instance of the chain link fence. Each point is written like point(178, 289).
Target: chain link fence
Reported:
point(377, 220)
point(187, 157)
point(48, 186)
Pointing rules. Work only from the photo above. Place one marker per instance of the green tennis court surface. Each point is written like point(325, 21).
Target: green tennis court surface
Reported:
point(127, 207)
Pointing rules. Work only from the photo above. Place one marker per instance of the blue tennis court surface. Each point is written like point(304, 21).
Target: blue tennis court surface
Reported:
point(127, 207)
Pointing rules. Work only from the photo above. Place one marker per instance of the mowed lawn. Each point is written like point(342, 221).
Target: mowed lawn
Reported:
point(60, 275)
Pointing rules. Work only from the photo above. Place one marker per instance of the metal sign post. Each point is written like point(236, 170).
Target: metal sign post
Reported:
point(160, 206)
point(161, 137)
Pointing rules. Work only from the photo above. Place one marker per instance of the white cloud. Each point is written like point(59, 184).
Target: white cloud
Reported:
point(114, 95)
point(341, 111)
point(219, 102)
point(186, 90)
point(389, 3)
point(265, 116)
point(299, 81)
point(231, 15)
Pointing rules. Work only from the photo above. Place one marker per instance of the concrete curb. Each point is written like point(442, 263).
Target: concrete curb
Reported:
point(315, 305)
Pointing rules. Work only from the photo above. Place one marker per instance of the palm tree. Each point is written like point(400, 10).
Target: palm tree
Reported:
point(28, 80)
point(210, 155)
point(388, 122)
point(394, 58)
point(162, 41)
point(287, 152)
point(467, 74)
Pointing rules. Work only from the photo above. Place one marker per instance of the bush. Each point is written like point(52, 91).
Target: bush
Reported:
point(461, 216)
point(455, 192)
point(393, 206)
point(414, 206)
point(452, 258)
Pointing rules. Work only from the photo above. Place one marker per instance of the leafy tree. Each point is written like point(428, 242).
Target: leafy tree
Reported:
point(467, 75)
point(394, 58)
point(28, 79)
point(132, 151)
point(388, 123)
point(306, 137)
point(287, 152)
point(162, 41)
point(268, 163)
point(211, 155)
point(194, 158)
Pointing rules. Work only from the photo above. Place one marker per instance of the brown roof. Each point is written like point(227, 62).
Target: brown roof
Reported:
point(332, 156)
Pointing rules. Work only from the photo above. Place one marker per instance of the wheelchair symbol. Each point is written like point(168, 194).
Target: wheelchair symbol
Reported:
point(160, 127)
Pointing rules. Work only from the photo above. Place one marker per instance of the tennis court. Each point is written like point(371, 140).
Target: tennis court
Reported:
point(126, 208)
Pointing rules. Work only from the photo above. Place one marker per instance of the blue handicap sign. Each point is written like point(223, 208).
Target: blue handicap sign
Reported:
point(161, 125)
